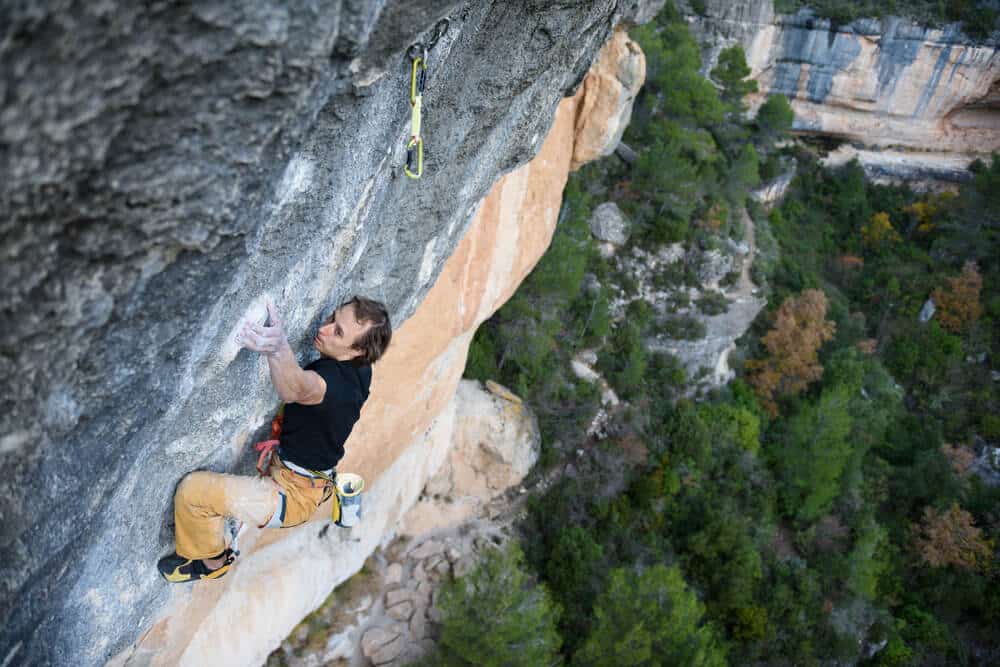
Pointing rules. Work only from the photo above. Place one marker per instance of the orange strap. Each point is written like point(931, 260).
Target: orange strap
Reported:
point(266, 447)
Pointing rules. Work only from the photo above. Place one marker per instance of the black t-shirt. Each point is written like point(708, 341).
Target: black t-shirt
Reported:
point(313, 436)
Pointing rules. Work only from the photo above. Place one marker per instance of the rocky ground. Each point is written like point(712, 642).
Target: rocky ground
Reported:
point(387, 614)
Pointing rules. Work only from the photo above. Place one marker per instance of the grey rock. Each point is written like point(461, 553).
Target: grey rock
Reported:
point(167, 168)
point(773, 191)
point(424, 592)
point(926, 311)
point(609, 224)
point(426, 549)
point(643, 11)
point(392, 598)
point(419, 573)
point(418, 624)
point(393, 574)
point(402, 611)
point(375, 638)
point(390, 651)
point(433, 561)
point(713, 266)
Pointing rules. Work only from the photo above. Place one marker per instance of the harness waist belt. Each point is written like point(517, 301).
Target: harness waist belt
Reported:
point(303, 471)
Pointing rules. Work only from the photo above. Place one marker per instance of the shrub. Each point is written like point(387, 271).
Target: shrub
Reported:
point(713, 303)
point(650, 617)
point(684, 327)
point(495, 615)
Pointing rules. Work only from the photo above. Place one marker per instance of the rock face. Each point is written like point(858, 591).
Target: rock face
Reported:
point(167, 170)
point(496, 442)
point(609, 93)
point(879, 83)
point(771, 193)
point(705, 354)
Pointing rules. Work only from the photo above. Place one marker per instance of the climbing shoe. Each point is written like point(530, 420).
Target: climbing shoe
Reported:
point(177, 569)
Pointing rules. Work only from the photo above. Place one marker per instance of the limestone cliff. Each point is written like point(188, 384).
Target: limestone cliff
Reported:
point(930, 94)
point(171, 167)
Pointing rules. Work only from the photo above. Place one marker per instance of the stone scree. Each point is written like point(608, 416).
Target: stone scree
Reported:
point(167, 170)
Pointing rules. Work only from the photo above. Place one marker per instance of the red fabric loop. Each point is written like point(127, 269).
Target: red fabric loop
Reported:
point(265, 448)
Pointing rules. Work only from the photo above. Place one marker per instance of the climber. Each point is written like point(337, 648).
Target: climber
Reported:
point(322, 403)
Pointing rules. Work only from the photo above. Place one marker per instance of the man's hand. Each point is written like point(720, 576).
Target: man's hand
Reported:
point(263, 338)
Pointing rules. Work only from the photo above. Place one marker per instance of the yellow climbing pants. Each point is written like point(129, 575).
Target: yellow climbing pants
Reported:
point(204, 499)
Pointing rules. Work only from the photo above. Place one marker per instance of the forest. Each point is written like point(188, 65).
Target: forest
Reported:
point(977, 18)
point(836, 503)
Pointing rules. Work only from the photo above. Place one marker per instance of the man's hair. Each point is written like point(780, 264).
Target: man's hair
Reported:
point(375, 339)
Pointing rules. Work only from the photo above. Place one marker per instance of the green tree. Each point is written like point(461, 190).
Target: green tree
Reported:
point(732, 424)
point(813, 453)
point(865, 563)
point(574, 570)
point(731, 73)
point(674, 86)
point(774, 117)
point(495, 615)
point(650, 618)
point(723, 560)
point(744, 173)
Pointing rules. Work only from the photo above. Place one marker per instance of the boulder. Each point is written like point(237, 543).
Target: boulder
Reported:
point(926, 311)
point(609, 224)
point(496, 443)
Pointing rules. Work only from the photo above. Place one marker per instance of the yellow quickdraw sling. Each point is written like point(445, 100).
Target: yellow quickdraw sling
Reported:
point(414, 167)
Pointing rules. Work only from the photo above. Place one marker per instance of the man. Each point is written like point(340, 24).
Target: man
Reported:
point(322, 403)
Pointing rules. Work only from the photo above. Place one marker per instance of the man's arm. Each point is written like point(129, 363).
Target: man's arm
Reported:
point(293, 384)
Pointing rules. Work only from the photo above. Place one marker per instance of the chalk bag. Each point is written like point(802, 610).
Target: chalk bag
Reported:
point(347, 509)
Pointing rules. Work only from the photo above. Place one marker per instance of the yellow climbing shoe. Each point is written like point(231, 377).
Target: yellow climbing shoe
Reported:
point(177, 569)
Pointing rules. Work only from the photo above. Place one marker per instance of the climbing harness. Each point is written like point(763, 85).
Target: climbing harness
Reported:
point(417, 53)
point(345, 488)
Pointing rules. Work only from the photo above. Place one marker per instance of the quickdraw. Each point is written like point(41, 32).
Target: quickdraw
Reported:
point(417, 53)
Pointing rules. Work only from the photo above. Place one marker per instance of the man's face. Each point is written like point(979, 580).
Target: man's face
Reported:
point(339, 333)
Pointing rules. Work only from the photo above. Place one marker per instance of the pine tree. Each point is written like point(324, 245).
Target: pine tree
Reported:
point(775, 116)
point(496, 616)
point(649, 618)
point(731, 73)
point(814, 451)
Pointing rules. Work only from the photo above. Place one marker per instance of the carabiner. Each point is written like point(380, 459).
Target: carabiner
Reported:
point(414, 157)
point(440, 30)
point(418, 79)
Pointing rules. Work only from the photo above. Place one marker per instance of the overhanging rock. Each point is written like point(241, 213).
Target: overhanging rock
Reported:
point(167, 170)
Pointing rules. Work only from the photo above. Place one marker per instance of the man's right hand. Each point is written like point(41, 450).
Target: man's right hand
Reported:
point(261, 338)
